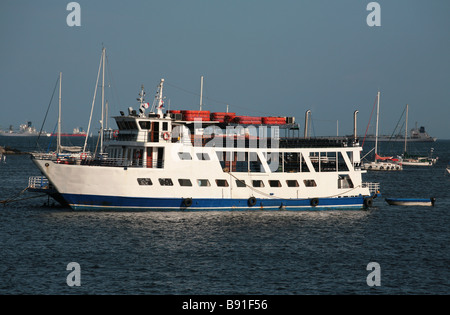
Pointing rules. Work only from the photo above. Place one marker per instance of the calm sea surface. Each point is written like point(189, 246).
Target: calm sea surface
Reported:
point(280, 253)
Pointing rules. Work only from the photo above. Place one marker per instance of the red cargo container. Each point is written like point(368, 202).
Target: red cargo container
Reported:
point(274, 120)
point(247, 120)
point(191, 115)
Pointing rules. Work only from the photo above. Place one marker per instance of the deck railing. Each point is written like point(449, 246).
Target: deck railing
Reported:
point(373, 187)
point(38, 182)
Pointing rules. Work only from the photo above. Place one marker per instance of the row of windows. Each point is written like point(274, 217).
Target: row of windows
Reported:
point(182, 182)
point(224, 183)
point(187, 156)
point(144, 124)
point(286, 162)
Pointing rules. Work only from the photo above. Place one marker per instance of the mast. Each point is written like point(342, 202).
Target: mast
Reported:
point(376, 129)
point(406, 129)
point(103, 99)
point(106, 115)
point(308, 112)
point(58, 145)
point(93, 102)
point(355, 113)
point(201, 92)
point(159, 99)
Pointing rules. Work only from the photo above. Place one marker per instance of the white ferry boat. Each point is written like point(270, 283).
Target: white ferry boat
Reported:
point(197, 160)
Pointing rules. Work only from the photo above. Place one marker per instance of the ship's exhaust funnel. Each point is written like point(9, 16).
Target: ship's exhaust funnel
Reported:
point(307, 114)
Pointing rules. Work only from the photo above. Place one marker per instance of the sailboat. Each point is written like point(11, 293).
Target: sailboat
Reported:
point(415, 160)
point(388, 163)
point(63, 153)
point(61, 149)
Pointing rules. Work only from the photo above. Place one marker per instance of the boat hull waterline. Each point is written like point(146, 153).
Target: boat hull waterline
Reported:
point(92, 202)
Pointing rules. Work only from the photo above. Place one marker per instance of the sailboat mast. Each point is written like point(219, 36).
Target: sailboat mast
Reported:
point(93, 102)
point(58, 145)
point(376, 129)
point(103, 99)
point(406, 128)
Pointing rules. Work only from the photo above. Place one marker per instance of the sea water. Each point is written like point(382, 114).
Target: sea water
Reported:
point(254, 252)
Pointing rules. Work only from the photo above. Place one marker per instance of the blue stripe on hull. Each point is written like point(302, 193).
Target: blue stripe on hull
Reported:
point(90, 202)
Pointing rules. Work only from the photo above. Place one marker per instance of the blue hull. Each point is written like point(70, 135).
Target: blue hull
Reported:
point(95, 202)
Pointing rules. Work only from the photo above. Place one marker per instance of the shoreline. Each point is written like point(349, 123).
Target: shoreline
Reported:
point(11, 151)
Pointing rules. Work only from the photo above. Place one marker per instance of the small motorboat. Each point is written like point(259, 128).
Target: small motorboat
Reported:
point(411, 201)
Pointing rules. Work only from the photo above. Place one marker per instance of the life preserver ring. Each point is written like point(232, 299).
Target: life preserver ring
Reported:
point(115, 133)
point(187, 202)
point(314, 202)
point(166, 135)
point(368, 202)
point(251, 201)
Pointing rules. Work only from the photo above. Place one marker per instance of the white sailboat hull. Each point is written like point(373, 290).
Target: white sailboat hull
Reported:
point(382, 166)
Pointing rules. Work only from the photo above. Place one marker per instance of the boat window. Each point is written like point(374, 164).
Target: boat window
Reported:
point(222, 182)
point(240, 183)
point(120, 125)
point(144, 124)
point(144, 181)
point(131, 125)
point(344, 181)
point(291, 162)
point(292, 183)
point(315, 160)
point(185, 155)
point(328, 161)
point(203, 183)
point(184, 182)
point(165, 182)
point(342, 166)
point(258, 183)
point(310, 183)
point(240, 161)
point(255, 164)
point(274, 183)
point(274, 161)
point(165, 126)
point(203, 156)
point(153, 135)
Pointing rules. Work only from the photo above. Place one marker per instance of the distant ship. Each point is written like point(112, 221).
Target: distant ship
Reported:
point(417, 135)
point(77, 132)
point(25, 130)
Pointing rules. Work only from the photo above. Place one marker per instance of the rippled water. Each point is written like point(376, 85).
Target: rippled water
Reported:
point(256, 252)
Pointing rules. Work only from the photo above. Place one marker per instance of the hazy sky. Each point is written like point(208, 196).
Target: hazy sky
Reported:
point(261, 57)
